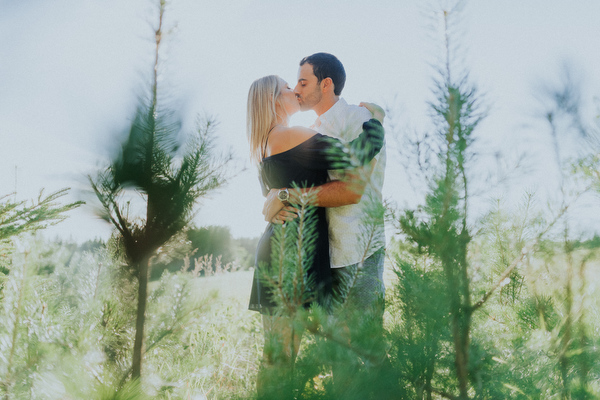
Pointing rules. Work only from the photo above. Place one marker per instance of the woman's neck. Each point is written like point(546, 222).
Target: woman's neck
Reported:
point(281, 121)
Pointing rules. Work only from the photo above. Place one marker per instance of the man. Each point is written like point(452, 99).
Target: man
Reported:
point(353, 198)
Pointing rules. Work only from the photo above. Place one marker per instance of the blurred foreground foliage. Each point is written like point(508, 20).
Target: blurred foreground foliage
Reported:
point(70, 332)
point(74, 325)
point(502, 306)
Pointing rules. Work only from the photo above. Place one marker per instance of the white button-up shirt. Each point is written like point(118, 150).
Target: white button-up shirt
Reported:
point(355, 230)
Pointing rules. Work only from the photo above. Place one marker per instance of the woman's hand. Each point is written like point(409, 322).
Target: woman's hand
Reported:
point(284, 215)
point(275, 211)
point(377, 111)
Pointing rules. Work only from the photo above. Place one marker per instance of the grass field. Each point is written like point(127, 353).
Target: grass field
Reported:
point(215, 350)
point(233, 336)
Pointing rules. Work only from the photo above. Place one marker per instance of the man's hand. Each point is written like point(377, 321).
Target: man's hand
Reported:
point(377, 111)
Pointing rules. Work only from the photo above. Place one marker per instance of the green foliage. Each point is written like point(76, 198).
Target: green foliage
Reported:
point(292, 254)
point(69, 334)
point(501, 307)
point(422, 328)
point(439, 229)
point(215, 240)
point(47, 320)
point(457, 339)
point(170, 187)
point(245, 251)
point(169, 182)
point(170, 178)
point(17, 217)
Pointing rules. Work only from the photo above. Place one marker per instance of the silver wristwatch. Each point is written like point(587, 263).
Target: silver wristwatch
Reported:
point(284, 196)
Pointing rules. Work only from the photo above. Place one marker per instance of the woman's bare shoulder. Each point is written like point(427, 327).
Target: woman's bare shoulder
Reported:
point(284, 138)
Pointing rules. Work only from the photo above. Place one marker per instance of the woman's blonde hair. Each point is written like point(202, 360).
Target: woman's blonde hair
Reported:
point(261, 116)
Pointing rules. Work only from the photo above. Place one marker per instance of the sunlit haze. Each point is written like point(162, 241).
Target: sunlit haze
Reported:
point(71, 71)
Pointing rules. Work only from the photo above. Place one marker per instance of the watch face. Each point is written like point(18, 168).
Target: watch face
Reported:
point(283, 195)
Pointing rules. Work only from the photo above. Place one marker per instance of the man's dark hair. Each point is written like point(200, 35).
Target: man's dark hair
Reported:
point(326, 65)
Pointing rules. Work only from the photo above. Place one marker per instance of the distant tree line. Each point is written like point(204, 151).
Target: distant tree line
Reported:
point(215, 242)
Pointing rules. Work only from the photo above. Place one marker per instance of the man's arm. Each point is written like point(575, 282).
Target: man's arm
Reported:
point(331, 194)
point(343, 192)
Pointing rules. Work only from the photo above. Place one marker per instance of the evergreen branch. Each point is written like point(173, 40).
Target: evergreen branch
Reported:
point(15, 330)
point(280, 264)
point(444, 394)
point(108, 205)
point(300, 241)
point(504, 276)
point(519, 258)
point(342, 342)
point(122, 225)
point(16, 218)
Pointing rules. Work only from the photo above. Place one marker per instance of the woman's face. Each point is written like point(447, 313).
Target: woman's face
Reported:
point(288, 99)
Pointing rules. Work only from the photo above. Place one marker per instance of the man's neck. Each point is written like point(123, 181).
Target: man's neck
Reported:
point(325, 104)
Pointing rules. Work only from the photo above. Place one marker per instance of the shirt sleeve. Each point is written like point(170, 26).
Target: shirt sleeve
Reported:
point(324, 152)
point(353, 121)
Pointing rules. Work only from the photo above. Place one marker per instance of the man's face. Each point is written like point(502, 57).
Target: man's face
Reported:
point(307, 90)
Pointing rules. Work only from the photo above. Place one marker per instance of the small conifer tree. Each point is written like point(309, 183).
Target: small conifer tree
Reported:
point(441, 229)
point(170, 185)
point(565, 120)
point(445, 287)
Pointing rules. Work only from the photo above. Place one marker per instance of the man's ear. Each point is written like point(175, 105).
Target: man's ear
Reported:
point(327, 85)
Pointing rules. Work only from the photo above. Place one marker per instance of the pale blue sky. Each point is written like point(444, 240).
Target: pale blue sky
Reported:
point(70, 71)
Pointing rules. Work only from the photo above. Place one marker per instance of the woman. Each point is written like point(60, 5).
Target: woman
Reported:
point(296, 156)
point(287, 157)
